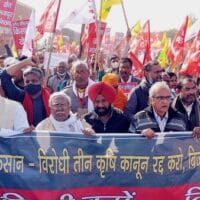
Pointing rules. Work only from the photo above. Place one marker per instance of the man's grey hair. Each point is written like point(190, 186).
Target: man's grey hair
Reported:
point(78, 63)
point(157, 86)
point(59, 94)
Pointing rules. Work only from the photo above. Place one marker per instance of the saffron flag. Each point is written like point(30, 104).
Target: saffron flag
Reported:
point(28, 47)
point(84, 15)
point(176, 50)
point(48, 19)
point(191, 64)
point(106, 7)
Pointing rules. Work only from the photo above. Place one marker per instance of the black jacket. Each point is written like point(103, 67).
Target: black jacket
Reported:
point(118, 122)
point(194, 118)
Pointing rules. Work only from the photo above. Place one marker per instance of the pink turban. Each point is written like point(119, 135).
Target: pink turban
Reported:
point(102, 89)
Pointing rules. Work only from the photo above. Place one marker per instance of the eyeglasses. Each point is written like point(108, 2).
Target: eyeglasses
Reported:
point(162, 98)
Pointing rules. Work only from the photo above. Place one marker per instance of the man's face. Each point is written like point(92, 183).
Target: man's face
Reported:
point(81, 75)
point(173, 82)
point(101, 106)
point(125, 70)
point(188, 92)
point(60, 108)
point(61, 68)
point(156, 73)
point(161, 101)
point(32, 79)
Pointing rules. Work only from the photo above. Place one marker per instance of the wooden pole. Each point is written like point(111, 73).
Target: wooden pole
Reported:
point(125, 16)
point(98, 33)
point(51, 43)
point(80, 44)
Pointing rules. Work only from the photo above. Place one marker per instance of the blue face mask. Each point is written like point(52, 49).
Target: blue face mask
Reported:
point(32, 89)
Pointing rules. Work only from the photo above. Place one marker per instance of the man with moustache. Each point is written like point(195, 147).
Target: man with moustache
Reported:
point(78, 90)
point(138, 97)
point(159, 116)
point(61, 117)
point(126, 80)
point(187, 102)
point(105, 118)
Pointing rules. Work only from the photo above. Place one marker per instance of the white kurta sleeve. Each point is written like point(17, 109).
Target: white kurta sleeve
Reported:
point(20, 119)
point(8, 132)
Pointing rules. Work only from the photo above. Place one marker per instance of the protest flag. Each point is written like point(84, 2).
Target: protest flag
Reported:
point(141, 46)
point(84, 15)
point(191, 64)
point(28, 47)
point(136, 28)
point(106, 7)
point(49, 18)
point(175, 52)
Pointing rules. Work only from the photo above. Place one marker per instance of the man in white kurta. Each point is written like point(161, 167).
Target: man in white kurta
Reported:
point(61, 118)
point(13, 118)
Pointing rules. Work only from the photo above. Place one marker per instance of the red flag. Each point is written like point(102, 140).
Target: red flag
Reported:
point(141, 45)
point(176, 51)
point(191, 65)
point(137, 65)
point(89, 37)
point(19, 31)
point(48, 19)
point(7, 9)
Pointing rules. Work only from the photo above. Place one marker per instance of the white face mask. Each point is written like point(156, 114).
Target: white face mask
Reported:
point(61, 74)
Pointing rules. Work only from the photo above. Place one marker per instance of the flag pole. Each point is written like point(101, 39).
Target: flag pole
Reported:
point(51, 42)
point(125, 16)
point(98, 25)
point(80, 44)
point(52, 37)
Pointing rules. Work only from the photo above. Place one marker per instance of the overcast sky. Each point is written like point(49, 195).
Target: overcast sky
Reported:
point(163, 15)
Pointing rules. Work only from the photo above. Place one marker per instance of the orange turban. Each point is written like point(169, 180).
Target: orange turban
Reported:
point(111, 79)
point(102, 89)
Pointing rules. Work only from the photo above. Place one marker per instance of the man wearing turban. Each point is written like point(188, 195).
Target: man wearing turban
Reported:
point(105, 118)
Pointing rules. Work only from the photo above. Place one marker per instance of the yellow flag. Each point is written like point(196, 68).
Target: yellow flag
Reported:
point(165, 42)
point(60, 41)
point(136, 28)
point(106, 6)
point(189, 22)
point(162, 58)
point(14, 51)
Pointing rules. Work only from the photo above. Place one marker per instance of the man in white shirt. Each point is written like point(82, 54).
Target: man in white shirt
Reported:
point(13, 118)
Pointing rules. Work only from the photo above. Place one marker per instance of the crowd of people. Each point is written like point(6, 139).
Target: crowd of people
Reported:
point(96, 96)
